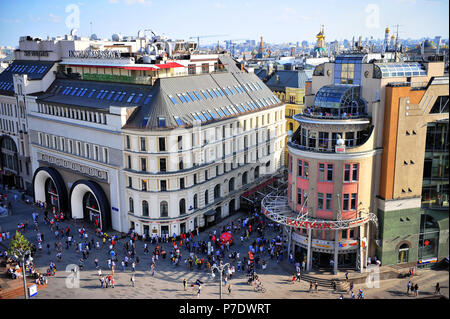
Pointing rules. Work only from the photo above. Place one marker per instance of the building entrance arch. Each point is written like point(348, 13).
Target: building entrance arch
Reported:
point(49, 187)
point(88, 201)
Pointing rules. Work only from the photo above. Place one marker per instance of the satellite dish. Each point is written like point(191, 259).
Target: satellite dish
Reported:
point(93, 36)
point(73, 31)
point(117, 37)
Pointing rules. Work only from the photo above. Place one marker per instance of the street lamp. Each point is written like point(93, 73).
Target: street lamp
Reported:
point(219, 268)
point(20, 254)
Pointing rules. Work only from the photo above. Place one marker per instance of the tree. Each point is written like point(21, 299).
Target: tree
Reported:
point(19, 245)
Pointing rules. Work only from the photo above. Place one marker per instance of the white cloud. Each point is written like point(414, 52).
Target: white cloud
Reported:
point(219, 5)
point(54, 18)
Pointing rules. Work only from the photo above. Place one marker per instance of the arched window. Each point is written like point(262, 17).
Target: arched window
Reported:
point(131, 204)
point(195, 202)
point(244, 178)
point(164, 209)
point(291, 126)
point(403, 253)
point(257, 172)
point(182, 206)
point(144, 208)
point(231, 185)
point(206, 197)
point(217, 191)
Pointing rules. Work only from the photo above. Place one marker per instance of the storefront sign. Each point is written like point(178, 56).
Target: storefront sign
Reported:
point(95, 54)
point(307, 224)
point(427, 261)
point(94, 172)
point(35, 53)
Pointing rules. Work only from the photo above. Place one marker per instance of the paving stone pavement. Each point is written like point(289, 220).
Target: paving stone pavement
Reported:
point(167, 283)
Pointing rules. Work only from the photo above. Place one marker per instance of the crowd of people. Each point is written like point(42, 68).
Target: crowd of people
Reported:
point(262, 239)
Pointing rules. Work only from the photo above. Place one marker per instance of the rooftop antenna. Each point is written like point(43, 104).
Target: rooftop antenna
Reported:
point(91, 26)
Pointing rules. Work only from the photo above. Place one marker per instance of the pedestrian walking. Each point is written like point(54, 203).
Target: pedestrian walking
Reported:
point(102, 281)
point(310, 286)
point(229, 289)
point(184, 284)
point(132, 279)
point(408, 287)
point(437, 289)
point(199, 291)
point(416, 290)
point(316, 286)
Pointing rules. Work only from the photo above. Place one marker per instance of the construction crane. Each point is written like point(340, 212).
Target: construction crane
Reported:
point(230, 44)
point(206, 36)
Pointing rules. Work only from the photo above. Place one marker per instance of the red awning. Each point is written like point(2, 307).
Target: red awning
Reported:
point(169, 65)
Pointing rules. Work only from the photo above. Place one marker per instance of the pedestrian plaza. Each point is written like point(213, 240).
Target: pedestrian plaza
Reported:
point(165, 278)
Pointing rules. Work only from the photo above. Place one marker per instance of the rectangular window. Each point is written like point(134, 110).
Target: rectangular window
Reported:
point(96, 152)
point(319, 201)
point(130, 182)
point(191, 68)
point(161, 122)
point(180, 164)
point(144, 185)
point(353, 202)
point(162, 165)
point(143, 144)
point(180, 142)
point(306, 169)
point(206, 175)
point(128, 143)
point(195, 179)
point(88, 151)
point(105, 155)
point(305, 197)
point(129, 161)
point(355, 173)
point(163, 185)
point(300, 168)
point(329, 172)
point(70, 150)
point(182, 183)
point(345, 204)
point(329, 202)
point(347, 173)
point(162, 144)
point(299, 196)
point(321, 172)
point(143, 164)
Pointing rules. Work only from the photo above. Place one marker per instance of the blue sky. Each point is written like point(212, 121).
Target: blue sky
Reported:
point(277, 21)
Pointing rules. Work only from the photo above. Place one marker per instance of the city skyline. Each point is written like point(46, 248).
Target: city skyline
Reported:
point(291, 21)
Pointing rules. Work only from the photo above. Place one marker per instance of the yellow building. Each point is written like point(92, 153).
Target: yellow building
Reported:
point(289, 87)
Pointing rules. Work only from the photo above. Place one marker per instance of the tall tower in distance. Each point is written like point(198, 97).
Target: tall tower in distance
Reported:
point(321, 46)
